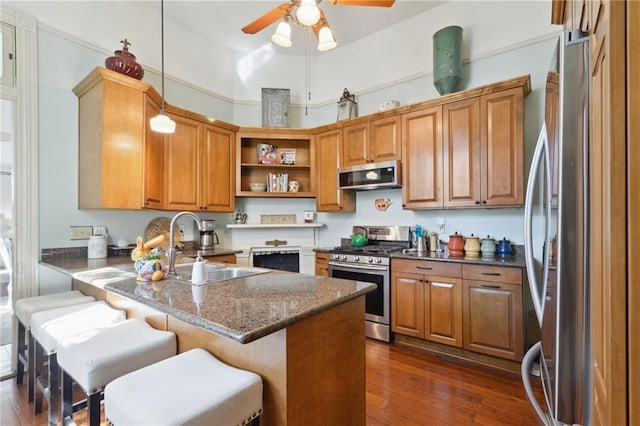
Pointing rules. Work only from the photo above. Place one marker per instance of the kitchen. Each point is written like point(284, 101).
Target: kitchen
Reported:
point(64, 62)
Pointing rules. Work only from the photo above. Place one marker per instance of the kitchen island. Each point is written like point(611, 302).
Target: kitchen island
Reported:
point(303, 334)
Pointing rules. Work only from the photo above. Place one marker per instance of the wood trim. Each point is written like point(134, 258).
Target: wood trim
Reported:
point(633, 206)
point(557, 12)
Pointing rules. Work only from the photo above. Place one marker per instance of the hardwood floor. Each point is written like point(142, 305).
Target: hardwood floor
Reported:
point(405, 386)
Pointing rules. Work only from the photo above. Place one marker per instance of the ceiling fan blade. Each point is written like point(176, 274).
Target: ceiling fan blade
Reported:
point(375, 3)
point(268, 18)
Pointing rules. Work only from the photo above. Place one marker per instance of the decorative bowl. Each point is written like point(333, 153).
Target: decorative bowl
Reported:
point(387, 105)
point(149, 270)
point(258, 187)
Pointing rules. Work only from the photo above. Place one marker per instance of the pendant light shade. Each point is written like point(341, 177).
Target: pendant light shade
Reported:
point(326, 41)
point(308, 13)
point(161, 123)
point(282, 36)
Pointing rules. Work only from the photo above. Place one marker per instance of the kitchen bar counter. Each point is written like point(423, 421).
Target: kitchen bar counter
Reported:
point(304, 335)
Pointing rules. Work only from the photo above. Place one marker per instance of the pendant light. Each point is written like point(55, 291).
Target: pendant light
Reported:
point(282, 36)
point(161, 123)
point(326, 41)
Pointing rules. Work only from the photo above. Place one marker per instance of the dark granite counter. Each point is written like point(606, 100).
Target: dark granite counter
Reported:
point(243, 309)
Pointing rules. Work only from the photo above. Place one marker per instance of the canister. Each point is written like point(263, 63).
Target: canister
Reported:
point(97, 248)
point(472, 246)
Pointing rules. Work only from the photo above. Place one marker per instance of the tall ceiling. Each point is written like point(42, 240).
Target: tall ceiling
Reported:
point(218, 21)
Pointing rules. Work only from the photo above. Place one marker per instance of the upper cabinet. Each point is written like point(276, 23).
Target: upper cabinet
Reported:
point(328, 154)
point(372, 141)
point(199, 167)
point(288, 146)
point(466, 149)
point(123, 164)
point(119, 159)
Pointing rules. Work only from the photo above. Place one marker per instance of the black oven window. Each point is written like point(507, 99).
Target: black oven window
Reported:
point(374, 300)
point(280, 261)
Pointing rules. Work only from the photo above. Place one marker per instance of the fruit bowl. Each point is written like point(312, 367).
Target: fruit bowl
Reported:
point(258, 187)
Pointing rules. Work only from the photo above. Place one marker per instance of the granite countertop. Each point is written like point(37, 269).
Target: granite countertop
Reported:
point(515, 260)
point(243, 309)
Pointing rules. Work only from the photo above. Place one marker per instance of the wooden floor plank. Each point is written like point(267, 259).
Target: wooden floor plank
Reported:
point(406, 386)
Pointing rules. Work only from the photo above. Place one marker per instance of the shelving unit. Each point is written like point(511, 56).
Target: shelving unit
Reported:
point(251, 170)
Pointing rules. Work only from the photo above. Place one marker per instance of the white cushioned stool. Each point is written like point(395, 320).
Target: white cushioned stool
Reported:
point(192, 388)
point(23, 309)
point(114, 352)
point(55, 326)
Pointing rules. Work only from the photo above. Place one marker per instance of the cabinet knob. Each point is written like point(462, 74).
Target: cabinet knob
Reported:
point(484, 201)
point(476, 202)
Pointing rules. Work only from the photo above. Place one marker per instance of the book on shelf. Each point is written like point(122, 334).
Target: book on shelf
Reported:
point(288, 156)
point(277, 182)
point(266, 153)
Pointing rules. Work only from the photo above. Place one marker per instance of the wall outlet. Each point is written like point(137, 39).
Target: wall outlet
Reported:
point(440, 225)
point(99, 230)
point(80, 232)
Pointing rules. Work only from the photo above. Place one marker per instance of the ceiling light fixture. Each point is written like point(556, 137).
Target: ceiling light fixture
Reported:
point(326, 41)
point(282, 36)
point(161, 123)
point(308, 13)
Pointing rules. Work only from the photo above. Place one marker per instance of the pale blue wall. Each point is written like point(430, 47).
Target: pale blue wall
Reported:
point(62, 64)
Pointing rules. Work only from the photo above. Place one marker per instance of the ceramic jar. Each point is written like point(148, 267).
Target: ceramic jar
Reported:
point(488, 247)
point(456, 245)
point(504, 247)
point(124, 62)
point(472, 246)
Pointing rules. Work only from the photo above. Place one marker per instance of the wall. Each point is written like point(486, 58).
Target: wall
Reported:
point(63, 62)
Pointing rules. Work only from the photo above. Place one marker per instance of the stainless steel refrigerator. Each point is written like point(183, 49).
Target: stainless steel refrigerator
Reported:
point(556, 241)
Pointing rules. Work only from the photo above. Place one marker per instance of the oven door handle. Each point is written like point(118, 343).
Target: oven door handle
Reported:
point(355, 266)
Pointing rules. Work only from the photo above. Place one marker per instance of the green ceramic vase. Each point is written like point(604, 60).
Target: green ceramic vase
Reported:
point(447, 59)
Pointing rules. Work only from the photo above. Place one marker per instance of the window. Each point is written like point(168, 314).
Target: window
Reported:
point(8, 54)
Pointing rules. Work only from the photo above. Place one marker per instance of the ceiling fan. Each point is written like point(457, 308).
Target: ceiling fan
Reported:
point(309, 15)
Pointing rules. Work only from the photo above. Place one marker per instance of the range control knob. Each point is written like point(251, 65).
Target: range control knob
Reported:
point(356, 258)
point(378, 260)
point(370, 260)
point(343, 257)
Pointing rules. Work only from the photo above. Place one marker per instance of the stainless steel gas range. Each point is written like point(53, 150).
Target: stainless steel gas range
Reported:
point(371, 264)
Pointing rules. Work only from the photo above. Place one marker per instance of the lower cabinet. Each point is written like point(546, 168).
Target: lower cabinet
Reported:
point(492, 311)
point(322, 264)
point(426, 305)
point(474, 307)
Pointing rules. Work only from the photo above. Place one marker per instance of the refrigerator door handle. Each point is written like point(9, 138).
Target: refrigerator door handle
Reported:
point(541, 153)
point(527, 361)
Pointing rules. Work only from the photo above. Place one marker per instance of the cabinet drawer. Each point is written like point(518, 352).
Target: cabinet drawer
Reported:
point(496, 274)
point(427, 267)
point(322, 257)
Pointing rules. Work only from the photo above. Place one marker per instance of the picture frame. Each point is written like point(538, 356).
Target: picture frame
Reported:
point(275, 107)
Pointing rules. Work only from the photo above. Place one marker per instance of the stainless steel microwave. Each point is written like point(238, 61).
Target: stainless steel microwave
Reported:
point(370, 176)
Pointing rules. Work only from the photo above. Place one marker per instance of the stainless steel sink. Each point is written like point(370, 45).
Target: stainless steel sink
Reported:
point(218, 272)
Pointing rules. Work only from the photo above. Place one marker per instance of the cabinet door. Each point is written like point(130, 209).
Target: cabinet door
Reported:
point(492, 318)
point(385, 143)
point(407, 306)
point(182, 164)
point(328, 153)
point(322, 264)
point(355, 146)
point(443, 310)
point(422, 159)
point(152, 173)
point(218, 159)
point(461, 137)
point(502, 146)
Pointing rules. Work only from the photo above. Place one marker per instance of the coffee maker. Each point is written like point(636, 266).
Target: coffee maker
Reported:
point(205, 239)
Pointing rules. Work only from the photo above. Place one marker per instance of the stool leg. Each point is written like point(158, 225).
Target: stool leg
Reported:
point(38, 366)
point(20, 352)
point(31, 374)
point(67, 397)
point(93, 409)
point(54, 390)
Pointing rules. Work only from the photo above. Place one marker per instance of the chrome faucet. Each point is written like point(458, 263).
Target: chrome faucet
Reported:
point(171, 253)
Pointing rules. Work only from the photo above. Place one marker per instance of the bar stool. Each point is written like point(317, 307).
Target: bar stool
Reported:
point(114, 352)
point(193, 387)
point(51, 328)
point(23, 309)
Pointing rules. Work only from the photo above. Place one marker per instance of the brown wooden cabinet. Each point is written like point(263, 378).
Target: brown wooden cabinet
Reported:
point(484, 150)
point(252, 171)
point(422, 159)
point(199, 164)
point(492, 311)
point(119, 159)
point(328, 154)
point(322, 264)
point(226, 258)
point(372, 142)
point(426, 300)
